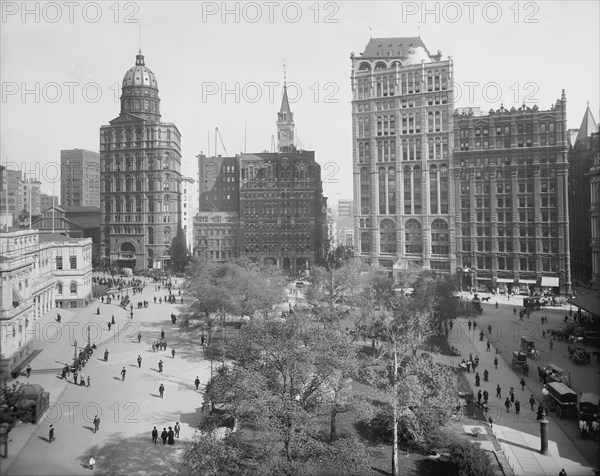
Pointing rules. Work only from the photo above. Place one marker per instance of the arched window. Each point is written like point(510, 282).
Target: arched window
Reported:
point(392, 191)
point(167, 236)
point(413, 237)
point(382, 194)
point(150, 235)
point(417, 190)
point(365, 204)
point(407, 190)
point(443, 189)
point(59, 287)
point(433, 189)
point(167, 203)
point(73, 287)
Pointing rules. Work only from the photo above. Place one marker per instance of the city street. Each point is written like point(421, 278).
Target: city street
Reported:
point(128, 410)
point(505, 337)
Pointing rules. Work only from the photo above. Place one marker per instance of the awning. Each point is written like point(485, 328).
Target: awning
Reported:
point(589, 302)
point(479, 278)
point(504, 280)
point(550, 282)
point(527, 281)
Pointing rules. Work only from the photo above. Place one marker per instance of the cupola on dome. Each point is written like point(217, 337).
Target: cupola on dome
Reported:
point(140, 75)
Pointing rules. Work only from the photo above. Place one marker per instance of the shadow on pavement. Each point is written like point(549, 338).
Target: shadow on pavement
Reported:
point(43, 438)
point(135, 455)
point(512, 443)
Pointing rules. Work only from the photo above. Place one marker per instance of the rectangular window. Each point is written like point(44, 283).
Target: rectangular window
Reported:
point(73, 262)
point(59, 262)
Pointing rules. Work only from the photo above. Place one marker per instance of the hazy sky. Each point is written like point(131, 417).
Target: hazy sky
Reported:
point(62, 64)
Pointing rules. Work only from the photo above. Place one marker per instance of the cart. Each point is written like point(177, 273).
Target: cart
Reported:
point(519, 360)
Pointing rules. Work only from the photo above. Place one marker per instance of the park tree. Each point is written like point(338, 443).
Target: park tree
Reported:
point(10, 411)
point(283, 372)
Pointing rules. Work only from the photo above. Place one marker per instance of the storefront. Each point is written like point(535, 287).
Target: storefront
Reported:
point(504, 285)
point(484, 285)
point(524, 286)
point(550, 285)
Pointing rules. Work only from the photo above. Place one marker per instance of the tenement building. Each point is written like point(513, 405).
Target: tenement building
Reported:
point(39, 272)
point(580, 163)
point(402, 112)
point(140, 166)
point(512, 210)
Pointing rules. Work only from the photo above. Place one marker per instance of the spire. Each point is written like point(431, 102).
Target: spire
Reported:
point(285, 119)
point(586, 129)
point(285, 103)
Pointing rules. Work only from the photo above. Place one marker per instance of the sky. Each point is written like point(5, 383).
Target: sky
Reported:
point(221, 65)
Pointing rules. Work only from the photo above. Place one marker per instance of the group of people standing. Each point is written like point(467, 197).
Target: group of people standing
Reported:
point(168, 437)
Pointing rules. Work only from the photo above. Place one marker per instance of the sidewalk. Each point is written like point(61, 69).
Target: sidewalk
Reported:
point(518, 436)
point(129, 409)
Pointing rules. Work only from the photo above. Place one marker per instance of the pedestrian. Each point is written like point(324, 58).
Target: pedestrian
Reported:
point(476, 363)
point(486, 396)
point(490, 329)
point(522, 382)
point(92, 462)
point(161, 390)
point(89, 381)
point(469, 366)
point(498, 391)
point(109, 324)
point(177, 428)
point(486, 375)
point(544, 334)
point(507, 404)
point(517, 407)
point(162, 334)
point(512, 394)
point(532, 402)
point(139, 359)
point(113, 319)
point(470, 324)
point(28, 370)
point(479, 395)
point(487, 347)
point(526, 370)
point(139, 337)
point(496, 362)
point(171, 436)
point(75, 375)
point(64, 373)
point(173, 352)
point(123, 374)
point(197, 383)
point(98, 311)
point(562, 472)
point(154, 299)
point(96, 423)
point(51, 434)
point(154, 435)
point(474, 325)
point(164, 435)
point(477, 379)
point(491, 422)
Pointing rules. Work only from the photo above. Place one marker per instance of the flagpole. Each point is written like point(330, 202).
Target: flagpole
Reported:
point(53, 205)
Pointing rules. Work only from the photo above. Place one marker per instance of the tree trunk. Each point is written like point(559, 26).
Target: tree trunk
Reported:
point(333, 425)
point(395, 414)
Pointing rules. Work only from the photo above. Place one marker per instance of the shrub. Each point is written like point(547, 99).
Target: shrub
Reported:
point(469, 459)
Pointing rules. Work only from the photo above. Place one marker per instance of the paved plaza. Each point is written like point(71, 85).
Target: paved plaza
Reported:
point(128, 409)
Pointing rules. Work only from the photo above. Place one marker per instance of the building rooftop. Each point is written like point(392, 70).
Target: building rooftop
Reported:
point(57, 237)
point(392, 47)
point(586, 129)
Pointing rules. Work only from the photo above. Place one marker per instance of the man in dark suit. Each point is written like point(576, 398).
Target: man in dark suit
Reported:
point(164, 435)
point(154, 435)
point(171, 435)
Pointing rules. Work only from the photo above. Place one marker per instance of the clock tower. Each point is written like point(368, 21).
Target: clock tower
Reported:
point(285, 124)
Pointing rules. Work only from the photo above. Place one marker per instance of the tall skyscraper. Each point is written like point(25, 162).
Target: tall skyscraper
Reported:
point(402, 106)
point(80, 178)
point(11, 192)
point(140, 167)
point(594, 176)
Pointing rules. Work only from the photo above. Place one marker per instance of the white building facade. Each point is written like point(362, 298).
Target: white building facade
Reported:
point(38, 273)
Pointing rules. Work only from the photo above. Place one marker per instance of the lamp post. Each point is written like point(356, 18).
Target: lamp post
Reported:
point(75, 351)
point(89, 339)
point(544, 434)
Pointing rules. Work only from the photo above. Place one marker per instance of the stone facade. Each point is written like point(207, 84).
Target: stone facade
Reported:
point(140, 166)
point(38, 273)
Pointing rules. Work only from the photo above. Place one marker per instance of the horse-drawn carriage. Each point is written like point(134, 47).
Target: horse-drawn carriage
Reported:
point(577, 355)
point(553, 373)
point(528, 346)
point(519, 360)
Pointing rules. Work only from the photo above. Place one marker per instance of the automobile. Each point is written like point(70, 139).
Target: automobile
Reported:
point(578, 356)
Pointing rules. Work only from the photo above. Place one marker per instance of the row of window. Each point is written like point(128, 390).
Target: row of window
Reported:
point(72, 262)
point(547, 264)
point(407, 83)
point(127, 162)
point(72, 287)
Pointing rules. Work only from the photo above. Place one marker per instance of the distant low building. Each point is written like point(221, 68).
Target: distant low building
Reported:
point(39, 272)
point(74, 222)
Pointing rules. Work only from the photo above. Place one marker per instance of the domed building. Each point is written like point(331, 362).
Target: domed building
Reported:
point(140, 161)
